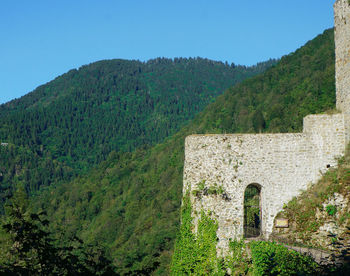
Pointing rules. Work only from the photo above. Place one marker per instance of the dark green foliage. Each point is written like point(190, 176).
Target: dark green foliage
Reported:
point(331, 210)
point(28, 249)
point(131, 202)
point(258, 121)
point(276, 101)
point(72, 123)
point(20, 165)
point(270, 258)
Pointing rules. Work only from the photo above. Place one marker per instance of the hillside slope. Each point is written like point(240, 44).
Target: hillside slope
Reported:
point(131, 202)
point(116, 105)
point(72, 123)
point(320, 216)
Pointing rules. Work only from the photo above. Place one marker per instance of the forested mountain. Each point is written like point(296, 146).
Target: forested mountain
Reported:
point(130, 203)
point(72, 123)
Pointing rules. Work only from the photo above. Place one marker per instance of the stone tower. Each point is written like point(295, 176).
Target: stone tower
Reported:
point(342, 65)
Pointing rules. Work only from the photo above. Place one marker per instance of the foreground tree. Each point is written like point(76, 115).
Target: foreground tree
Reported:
point(28, 249)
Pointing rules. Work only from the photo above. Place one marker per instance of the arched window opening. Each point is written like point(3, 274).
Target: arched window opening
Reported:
point(252, 211)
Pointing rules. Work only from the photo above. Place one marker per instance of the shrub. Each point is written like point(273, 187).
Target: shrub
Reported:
point(270, 258)
point(331, 210)
point(237, 260)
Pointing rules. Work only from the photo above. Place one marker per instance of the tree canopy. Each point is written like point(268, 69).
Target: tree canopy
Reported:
point(131, 202)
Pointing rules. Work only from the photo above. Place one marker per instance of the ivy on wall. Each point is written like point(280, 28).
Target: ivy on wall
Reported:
point(214, 189)
point(195, 252)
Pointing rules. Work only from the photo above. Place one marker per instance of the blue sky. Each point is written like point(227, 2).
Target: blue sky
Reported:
point(40, 40)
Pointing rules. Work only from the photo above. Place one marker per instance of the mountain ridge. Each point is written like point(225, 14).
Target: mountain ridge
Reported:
point(34, 94)
point(151, 179)
point(72, 123)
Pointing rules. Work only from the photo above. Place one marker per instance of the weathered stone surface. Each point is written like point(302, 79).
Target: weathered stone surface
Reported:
point(331, 228)
point(342, 64)
point(337, 200)
point(282, 164)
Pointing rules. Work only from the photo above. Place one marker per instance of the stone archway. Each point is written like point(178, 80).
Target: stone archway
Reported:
point(252, 211)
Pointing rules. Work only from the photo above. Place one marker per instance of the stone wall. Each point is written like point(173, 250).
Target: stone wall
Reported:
point(342, 51)
point(281, 164)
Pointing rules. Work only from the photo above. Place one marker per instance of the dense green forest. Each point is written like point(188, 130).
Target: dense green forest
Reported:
point(28, 248)
point(67, 126)
point(131, 202)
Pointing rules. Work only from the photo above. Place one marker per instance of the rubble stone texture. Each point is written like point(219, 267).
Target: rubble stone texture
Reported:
point(282, 165)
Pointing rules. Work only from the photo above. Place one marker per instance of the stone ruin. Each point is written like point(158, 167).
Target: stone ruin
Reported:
point(279, 166)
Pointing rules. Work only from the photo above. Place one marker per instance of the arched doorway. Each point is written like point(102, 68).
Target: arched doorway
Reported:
point(252, 211)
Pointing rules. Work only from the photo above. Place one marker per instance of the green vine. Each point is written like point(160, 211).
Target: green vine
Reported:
point(238, 261)
point(215, 189)
point(195, 254)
